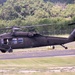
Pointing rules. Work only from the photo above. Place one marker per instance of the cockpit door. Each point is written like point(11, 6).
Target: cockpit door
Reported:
point(4, 41)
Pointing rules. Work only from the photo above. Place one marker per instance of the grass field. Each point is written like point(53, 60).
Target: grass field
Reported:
point(43, 73)
point(13, 67)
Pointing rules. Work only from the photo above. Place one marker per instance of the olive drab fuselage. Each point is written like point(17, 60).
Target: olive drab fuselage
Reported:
point(19, 39)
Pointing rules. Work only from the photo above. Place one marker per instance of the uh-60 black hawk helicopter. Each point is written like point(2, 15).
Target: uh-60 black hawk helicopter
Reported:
point(20, 39)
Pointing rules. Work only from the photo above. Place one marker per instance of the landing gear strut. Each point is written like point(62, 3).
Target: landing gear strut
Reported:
point(64, 46)
point(10, 50)
point(53, 47)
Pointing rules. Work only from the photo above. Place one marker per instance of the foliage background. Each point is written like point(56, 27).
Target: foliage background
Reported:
point(57, 13)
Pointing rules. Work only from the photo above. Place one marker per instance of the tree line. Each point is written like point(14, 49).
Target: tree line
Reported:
point(33, 12)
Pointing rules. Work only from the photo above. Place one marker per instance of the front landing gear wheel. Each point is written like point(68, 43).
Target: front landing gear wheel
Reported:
point(3, 51)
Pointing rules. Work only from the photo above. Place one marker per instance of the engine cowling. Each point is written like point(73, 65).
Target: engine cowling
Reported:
point(24, 34)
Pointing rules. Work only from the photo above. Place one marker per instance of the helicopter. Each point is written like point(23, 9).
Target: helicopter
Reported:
point(20, 39)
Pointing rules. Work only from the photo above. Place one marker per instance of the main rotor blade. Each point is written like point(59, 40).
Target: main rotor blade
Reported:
point(5, 28)
point(18, 27)
point(35, 25)
point(8, 28)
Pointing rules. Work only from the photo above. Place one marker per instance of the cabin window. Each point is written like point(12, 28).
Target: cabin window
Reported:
point(14, 40)
point(20, 40)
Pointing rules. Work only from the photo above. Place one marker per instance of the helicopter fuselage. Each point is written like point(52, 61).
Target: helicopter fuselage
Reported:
point(17, 40)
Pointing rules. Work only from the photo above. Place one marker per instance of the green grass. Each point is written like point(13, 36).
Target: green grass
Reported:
point(40, 63)
point(65, 36)
point(36, 64)
point(43, 73)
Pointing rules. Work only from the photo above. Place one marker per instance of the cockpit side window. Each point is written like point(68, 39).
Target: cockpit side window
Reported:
point(4, 41)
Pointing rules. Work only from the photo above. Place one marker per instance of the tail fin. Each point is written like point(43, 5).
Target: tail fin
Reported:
point(72, 36)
